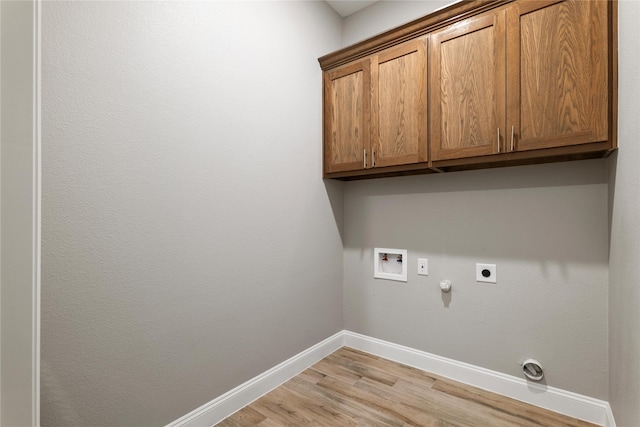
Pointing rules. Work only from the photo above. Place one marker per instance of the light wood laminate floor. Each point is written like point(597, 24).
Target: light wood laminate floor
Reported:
point(352, 388)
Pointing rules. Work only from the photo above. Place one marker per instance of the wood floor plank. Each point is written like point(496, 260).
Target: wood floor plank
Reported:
point(336, 371)
point(344, 404)
point(361, 370)
point(530, 415)
point(246, 417)
point(324, 409)
point(354, 388)
point(311, 375)
point(436, 404)
point(402, 371)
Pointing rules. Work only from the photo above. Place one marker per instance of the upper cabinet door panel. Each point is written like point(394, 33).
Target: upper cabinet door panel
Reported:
point(467, 88)
point(346, 110)
point(399, 125)
point(557, 73)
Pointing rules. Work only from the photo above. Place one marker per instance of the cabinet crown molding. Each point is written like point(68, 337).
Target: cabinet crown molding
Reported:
point(421, 26)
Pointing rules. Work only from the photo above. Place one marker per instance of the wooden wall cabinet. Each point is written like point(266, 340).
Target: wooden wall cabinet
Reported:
point(375, 110)
point(557, 73)
point(467, 83)
point(399, 105)
point(507, 83)
point(346, 117)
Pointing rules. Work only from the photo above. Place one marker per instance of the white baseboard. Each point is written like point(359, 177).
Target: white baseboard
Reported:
point(557, 400)
point(220, 408)
point(565, 402)
point(610, 421)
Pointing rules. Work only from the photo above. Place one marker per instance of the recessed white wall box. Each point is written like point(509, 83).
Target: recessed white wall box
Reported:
point(486, 273)
point(423, 266)
point(390, 264)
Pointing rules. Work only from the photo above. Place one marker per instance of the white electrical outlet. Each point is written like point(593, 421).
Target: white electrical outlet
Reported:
point(486, 273)
point(423, 266)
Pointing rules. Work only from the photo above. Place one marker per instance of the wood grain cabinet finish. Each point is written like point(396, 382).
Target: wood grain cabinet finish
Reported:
point(346, 117)
point(399, 105)
point(467, 88)
point(480, 83)
point(375, 110)
point(557, 73)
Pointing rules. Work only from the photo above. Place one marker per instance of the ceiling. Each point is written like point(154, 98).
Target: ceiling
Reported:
point(347, 7)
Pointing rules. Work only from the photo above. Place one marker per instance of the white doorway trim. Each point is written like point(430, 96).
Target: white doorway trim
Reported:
point(20, 230)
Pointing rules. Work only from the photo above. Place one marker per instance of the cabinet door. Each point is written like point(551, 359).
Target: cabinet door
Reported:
point(467, 88)
point(347, 103)
point(399, 121)
point(557, 73)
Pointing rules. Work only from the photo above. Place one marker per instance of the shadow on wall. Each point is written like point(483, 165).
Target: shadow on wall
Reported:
point(564, 174)
point(612, 166)
point(335, 193)
point(552, 214)
point(583, 172)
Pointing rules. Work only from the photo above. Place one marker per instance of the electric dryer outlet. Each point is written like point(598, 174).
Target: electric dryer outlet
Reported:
point(486, 273)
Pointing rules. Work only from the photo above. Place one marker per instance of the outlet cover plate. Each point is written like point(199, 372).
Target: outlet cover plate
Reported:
point(423, 266)
point(486, 273)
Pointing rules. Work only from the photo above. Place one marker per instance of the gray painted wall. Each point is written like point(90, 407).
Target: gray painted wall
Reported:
point(18, 203)
point(383, 16)
point(146, 316)
point(624, 268)
point(546, 228)
point(189, 242)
